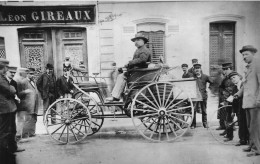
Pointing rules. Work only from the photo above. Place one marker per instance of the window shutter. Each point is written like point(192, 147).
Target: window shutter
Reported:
point(156, 45)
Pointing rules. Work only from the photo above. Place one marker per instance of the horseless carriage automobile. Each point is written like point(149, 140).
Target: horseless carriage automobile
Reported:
point(161, 109)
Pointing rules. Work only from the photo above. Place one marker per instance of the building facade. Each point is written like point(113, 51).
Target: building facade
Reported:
point(99, 33)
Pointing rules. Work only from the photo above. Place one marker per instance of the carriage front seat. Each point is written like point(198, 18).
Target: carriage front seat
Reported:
point(143, 74)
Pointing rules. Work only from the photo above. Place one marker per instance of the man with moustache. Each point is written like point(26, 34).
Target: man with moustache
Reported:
point(202, 81)
point(141, 56)
point(251, 97)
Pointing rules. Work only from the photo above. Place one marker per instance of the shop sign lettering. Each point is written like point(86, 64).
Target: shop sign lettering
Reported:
point(15, 15)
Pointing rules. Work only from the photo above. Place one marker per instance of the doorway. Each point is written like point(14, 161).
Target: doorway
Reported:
point(221, 46)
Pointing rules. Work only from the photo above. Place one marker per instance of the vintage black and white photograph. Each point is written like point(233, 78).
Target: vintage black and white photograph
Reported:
point(129, 82)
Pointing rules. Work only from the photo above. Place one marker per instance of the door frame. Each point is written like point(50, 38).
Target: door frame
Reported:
point(239, 37)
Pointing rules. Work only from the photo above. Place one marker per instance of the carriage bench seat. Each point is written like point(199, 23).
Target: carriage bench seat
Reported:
point(140, 72)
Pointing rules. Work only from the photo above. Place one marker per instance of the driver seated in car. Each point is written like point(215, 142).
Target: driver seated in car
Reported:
point(141, 56)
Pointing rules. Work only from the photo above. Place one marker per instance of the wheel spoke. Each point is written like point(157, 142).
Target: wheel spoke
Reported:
point(146, 105)
point(143, 122)
point(176, 103)
point(153, 132)
point(178, 109)
point(62, 132)
point(57, 112)
point(159, 125)
point(164, 92)
point(179, 120)
point(68, 134)
point(153, 96)
point(143, 110)
point(80, 125)
point(172, 129)
point(74, 134)
point(77, 128)
point(176, 123)
point(146, 115)
point(148, 100)
point(57, 129)
point(158, 94)
point(169, 96)
point(174, 99)
point(77, 113)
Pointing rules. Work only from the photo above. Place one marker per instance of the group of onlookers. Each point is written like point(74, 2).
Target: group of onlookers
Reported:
point(240, 96)
point(19, 102)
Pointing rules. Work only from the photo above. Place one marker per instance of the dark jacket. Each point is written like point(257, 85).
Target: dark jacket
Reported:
point(141, 56)
point(187, 75)
point(226, 89)
point(7, 95)
point(237, 103)
point(43, 85)
point(64, 86)
point(202, 84)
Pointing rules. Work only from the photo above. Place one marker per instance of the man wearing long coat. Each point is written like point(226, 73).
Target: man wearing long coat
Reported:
point(29, 103)
point(251, 97)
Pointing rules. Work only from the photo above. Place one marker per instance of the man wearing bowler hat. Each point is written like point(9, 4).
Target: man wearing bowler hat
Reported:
point(141, 56)
point(202, 81)
point(251, 97)
point(46, 85)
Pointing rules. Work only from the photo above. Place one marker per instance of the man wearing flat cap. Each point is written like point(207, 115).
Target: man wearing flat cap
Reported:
point(251, 97)
point(8, 108)
point(46, 85)
point(202, 81)
point(225, 90)
point(141, 56)
point(186, 73)
point(192, 70)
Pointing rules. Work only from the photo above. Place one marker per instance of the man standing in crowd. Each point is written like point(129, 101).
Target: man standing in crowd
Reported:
point(192, 69)
point(186, 73)
point(8, 107)
point(46, 84)
point(226, 89)
point(21, 111)
point(202, 81)
point(240, 112)
point(251, 98)
point(141, 56)
point(29, 103)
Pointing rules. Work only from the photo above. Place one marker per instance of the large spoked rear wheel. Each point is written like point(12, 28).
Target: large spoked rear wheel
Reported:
point(162, 112)
point(65, 121)
point(96, 112)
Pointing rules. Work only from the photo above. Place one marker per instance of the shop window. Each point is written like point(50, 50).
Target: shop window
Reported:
point(2, 47)
point(33, 36)
point(155, 32)
point(72, 35)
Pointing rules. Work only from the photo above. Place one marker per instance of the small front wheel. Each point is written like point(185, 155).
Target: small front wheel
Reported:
point(65, 121)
